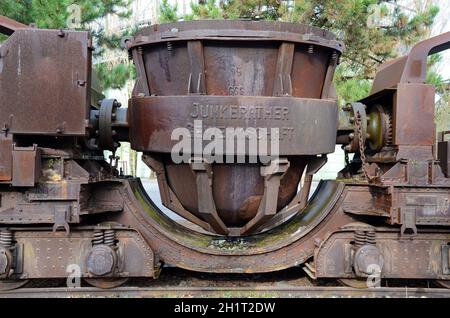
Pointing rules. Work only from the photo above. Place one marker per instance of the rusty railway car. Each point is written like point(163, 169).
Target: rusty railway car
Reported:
point(63, 203)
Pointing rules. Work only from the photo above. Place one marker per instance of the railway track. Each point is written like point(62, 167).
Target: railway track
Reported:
point(177, 283)
point(244, 292)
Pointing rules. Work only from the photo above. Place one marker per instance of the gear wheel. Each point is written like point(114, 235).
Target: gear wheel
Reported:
point(389, 130)
point(379, 128)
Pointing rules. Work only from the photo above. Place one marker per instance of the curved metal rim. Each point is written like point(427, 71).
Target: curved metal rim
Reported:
point(6, 285)
point(266, 36)
point(322, 202)
point(443, 283)
point(227, 24)
point(229, 30)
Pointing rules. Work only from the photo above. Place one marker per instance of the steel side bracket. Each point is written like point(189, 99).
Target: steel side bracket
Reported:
point(206, 206)
point(408, 219)
point(273, 173)
point(168, 198)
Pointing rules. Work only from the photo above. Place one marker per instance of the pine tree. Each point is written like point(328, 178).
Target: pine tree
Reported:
point(372, 30)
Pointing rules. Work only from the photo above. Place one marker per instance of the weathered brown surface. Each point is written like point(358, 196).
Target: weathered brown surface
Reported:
point(62, 203)
point(8, 26)
point(234, 74)
point(152, 120)
point(411, 68)
point(45, 78)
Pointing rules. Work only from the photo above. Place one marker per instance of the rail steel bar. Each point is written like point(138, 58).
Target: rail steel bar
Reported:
point(262, 291)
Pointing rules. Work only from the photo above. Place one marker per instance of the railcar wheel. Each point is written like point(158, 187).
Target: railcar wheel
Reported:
point(353, 282)
point(106, 283)
point(6, 285)
point(443, 283)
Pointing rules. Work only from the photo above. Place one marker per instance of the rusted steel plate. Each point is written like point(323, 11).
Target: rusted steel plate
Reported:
point(421, 257)
point(237, 68)
point(6, 162)
point(153, 119)
point(50, 255)
point(8, 26)
point(411, 68)
point(431, 207)
point(16, 210)
point(44, 77)
point(26, 166)
point(234, 207)
point(414, 115)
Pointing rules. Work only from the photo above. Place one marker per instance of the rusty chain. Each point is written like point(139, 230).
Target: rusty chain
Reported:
point(362, 147)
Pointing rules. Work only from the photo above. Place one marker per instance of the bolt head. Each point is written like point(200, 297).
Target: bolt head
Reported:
point(366, 259)
point(101, 260)
point(5, 261)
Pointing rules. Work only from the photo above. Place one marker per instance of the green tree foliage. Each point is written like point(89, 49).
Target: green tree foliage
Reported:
point(443, 109)
point(372, 30)
point(252, 9)
point(115, 76)
point(204, 10)
point(54, 14)
point(167, 12)
point(367, 45)
point(442, 85)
